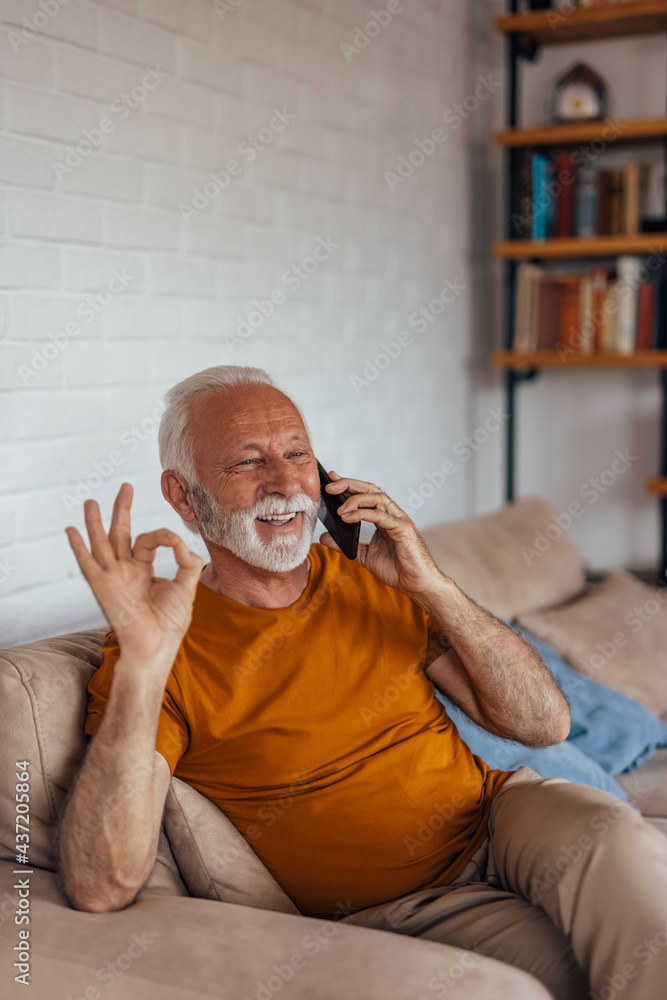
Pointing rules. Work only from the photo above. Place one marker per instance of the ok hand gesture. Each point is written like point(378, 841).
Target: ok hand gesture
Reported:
point(148, 613)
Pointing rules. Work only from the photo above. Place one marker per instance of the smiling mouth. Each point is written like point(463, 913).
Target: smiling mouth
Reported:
point(279, 519)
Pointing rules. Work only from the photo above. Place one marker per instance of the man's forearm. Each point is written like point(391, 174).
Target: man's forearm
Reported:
point(513, 687)
point(106, 833)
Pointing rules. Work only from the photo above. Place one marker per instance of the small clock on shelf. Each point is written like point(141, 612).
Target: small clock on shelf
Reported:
point(578, 95)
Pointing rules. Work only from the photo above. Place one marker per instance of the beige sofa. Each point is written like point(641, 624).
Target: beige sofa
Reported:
point(211, 920)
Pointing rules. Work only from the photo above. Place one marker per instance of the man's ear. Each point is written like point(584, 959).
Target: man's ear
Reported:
point(176, 492)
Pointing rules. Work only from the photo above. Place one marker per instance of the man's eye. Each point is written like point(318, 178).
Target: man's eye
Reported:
point(247, 461)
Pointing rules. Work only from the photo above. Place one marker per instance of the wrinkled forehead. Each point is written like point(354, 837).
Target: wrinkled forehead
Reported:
point(234, 416)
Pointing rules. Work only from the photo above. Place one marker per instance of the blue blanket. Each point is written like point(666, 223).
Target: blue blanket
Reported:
point(616, 731)
point(610, 732)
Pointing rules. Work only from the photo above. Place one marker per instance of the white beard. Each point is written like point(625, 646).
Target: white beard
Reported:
point(238, 533)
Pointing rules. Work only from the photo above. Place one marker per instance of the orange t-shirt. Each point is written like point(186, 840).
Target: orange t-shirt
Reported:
point(316, 731)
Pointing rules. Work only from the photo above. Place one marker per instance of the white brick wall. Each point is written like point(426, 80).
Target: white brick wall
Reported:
point(69, 401)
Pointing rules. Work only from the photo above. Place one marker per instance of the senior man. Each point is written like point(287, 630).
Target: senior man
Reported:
point(255, 678)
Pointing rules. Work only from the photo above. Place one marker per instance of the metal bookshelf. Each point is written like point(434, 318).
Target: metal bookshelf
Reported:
point(524, 33)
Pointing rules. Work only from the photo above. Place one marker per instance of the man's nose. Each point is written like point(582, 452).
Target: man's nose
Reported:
point(282, 477)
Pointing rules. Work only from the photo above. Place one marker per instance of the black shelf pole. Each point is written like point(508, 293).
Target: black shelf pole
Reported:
point(662, 503)
point(663, 473)
point(510, 266)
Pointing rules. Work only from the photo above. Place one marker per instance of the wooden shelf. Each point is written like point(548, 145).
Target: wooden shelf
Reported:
point(575, 132)
point(554, 27)
point(552, 359)
point(581, 246)
point(657, 485)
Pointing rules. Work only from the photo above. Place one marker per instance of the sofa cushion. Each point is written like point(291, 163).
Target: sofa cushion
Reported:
point(512, 561)
point(215, 860)
point(43, 697)
point(194, 949)
point(165, 878)
point(646, 786)
point(616, 632)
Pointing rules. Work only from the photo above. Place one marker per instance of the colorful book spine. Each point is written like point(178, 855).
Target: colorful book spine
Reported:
point(569, 334)
point(645, 314)
point(600, 281)
point(635, 178)
point(586, 314)
point(564, 176)
point(659, 329)
point(593, 311)
point(542, 197)
point(586, 202)
point(628, 271)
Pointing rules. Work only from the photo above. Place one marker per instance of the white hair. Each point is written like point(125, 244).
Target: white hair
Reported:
point(174, 438)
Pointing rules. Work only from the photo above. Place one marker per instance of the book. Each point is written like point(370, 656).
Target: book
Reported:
point(587, 313)
point(547, 312)
point(603, 204)
point(608, 324)
point(521, 312)
point(628, 270)
point(659, 327)
point(645, 296)
point(615, 206)
point(635, 182)
point(586, 202)
point(600, 281)
point(543, 200)
point(564, 176)
point(569, 334)
point(522, 188)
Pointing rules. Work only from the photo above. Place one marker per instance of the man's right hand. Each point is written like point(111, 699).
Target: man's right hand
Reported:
point(149, 614)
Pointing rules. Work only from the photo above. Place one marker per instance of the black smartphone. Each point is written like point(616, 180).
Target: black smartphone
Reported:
point(346, 536)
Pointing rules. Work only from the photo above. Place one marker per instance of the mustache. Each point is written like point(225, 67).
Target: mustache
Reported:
point(267, 506)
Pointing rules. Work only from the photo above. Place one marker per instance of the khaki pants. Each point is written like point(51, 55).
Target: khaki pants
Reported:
point(569, 879)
